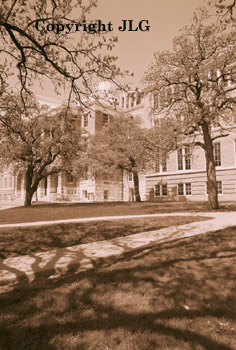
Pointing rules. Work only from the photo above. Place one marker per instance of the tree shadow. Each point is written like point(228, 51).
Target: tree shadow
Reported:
point(177, 295)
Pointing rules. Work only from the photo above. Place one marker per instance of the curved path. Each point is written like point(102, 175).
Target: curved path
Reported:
point(57, 262)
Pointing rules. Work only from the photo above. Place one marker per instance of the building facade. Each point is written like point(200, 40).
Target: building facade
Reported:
point(63, 186)
point(182, 176)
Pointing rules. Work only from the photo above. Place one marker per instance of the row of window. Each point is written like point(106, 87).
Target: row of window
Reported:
point(90, 196)
point(130, 100)
point(5, 197)
point(105, 119)
point(183, 189)
point(184, 159)
point(6, 182)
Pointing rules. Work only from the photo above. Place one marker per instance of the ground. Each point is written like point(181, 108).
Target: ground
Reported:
point(58, 211)
point(178, 295)
point(15, 241)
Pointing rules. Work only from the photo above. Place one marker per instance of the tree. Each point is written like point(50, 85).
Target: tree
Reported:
point(195, 84)
point(35, 141)
point(53, 39)
point(122, 145)
point(224, 8)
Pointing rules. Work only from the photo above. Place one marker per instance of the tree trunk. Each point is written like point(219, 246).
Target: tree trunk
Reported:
point(28, 199)
point(210, 168)
point(136, 187)
point(28, 187)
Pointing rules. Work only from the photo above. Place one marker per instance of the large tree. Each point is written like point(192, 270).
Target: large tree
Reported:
point(224, 8)
point(45, 40)
point(195, 84)
point(37, 142)
point(121, 145)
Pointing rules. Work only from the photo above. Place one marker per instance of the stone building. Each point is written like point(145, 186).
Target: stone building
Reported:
point(63, 187)
point(181, 177)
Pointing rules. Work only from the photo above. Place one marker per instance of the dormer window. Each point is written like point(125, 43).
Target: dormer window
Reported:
point(85, 120)
point(105, 119)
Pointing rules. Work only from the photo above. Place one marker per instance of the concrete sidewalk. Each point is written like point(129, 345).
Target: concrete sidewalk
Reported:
point(56, 262)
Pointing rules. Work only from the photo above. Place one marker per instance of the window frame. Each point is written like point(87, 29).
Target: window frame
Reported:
point(217, 154)
point(184, 191)
point(105, 119)
point(184, 159)
point(162, 190)
point(130, 176)
point(180, 185)
point(105, 195)
point(186, 185)
point(85, 120)
point(69, 178)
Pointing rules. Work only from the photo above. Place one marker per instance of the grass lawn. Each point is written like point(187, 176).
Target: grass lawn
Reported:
point(24, 240)
point(176, 296)
point(58, 211)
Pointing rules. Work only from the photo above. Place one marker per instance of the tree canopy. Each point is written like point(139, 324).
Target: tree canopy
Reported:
point(37, 142)
point(121, 145)
point(195, 84)
point(31, 51)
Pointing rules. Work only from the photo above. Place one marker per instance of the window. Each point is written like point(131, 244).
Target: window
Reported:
point(130, 176)
point(122, 102)
point(164, 166)
point(155, 100)
point(5, 183)
point(105, 195)
point(160, 190)
point(219, 187)
point(85, 120)
point(180, 189)
point(188, 189)
point(184, 158)
point(69, 178)
point(105, 119)
point(180, 159)
point(187, 158)
point(217, 154)
point(85, 194)
point(184, 189)
point(164, 190)
point(10, 182)
point(157, 190)
point(0, 183)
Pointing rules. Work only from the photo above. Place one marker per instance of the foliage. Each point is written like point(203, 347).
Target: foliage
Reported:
point(195, 84)
point(122, 145)
point(73, 60)
point(35, 141)
point(122, 141)
point(225, 9)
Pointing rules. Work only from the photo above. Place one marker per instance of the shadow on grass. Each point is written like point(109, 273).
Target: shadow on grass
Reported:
point(16, 241)
point(179, 295)
point(60, 211)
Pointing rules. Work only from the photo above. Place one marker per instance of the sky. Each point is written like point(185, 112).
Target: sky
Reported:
point(135, 50)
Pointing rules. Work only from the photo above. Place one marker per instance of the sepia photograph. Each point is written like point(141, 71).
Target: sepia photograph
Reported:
point(117, 175)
